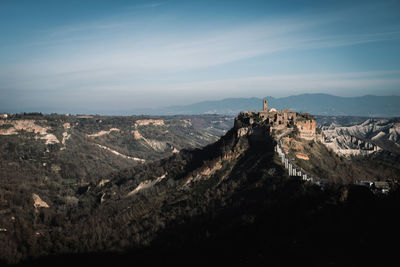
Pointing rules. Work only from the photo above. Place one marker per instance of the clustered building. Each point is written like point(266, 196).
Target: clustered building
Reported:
point(279, 120)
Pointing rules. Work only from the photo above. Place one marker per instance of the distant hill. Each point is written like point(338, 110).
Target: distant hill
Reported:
point(317, 104)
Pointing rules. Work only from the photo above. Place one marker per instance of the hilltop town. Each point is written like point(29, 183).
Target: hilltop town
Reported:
point(306, 151)
point(279, 121)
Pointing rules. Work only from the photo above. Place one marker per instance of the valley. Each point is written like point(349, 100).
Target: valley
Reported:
point(199, 133)
point(117, 185)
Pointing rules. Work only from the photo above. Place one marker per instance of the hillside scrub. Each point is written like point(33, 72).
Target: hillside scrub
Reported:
point(229, 202)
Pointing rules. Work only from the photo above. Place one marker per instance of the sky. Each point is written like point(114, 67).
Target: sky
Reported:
point(108, 56)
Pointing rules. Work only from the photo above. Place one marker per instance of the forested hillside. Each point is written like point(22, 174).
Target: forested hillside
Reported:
point(230, 202)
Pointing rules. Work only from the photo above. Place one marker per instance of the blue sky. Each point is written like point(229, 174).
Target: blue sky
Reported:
point(96, 56)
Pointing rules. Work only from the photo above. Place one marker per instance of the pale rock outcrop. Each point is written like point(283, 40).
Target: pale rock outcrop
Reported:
point(66, 136)
point(210, 169)
point(101, 133)
point(102, 198)
point(376, 129)
point(28, 126)
point(38, 202)
point(22, 125)
point(346, 145)
point(362, 139)
point(50, 139)
point(120, 154)
point(378, 136)
point(204, 173)
point(148, 122)
point(103, 182)
point(154, 144)
point(242, 131)
point(137, 135)
point(302, 156)
point(157, 145)
point(147, 184)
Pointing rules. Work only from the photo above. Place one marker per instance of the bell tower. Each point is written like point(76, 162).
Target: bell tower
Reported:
point(265, 105)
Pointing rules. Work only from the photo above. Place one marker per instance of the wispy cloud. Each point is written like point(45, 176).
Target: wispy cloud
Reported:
point(128, 55)
point(143, 53)
point(150, 5)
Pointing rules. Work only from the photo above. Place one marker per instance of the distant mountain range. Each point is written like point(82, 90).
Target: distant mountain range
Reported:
point(317, 104)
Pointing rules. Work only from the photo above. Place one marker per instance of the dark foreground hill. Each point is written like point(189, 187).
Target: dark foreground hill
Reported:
point(228, 203)
point(307, 228)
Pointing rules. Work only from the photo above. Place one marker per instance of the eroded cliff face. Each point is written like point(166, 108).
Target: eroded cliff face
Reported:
point(307, 129)
point(368, 137)
point(346, 145)
point(236, 143)
point(14, 127)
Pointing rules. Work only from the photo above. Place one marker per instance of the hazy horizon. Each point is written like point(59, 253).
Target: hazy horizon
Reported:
point(119, 55)
point(167, 109)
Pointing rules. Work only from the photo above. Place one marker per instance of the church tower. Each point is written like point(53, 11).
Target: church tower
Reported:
point(265, 106)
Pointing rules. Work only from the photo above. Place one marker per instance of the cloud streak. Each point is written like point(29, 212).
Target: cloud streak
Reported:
point(162, 54)
point(125, 96)
point(135, 56)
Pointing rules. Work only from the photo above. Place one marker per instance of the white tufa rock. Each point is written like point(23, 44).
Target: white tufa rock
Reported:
point(147, 184)
point(119, 154)
point(101, 133)
point(38, 202)
point(148, 122)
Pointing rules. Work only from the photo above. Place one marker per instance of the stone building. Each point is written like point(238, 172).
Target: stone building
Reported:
point(279, 120)
point(265, 106)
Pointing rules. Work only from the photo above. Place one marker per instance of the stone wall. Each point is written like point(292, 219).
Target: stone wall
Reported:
point(307, 129)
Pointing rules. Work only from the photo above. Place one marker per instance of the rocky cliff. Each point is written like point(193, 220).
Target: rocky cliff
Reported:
point(307, 128)
point(365, 138)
